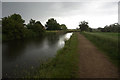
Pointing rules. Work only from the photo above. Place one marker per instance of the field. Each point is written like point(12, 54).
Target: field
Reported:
point(106, 42)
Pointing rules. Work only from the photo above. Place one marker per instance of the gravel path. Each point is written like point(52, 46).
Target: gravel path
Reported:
point(93, 63)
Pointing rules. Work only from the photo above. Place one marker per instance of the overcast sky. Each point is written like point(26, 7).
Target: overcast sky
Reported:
point(97, 13)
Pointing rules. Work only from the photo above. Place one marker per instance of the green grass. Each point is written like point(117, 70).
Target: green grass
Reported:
point(63, 65)
point(110, 35)
point(106, 42)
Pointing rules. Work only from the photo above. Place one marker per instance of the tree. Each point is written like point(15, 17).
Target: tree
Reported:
point(13, 27)
point(77, 28)
point(83, 26)
point(63, 27)
point(111, 28)
point(52, 24)
point(90, 29)
point(0, 23)
point(36, 27)
point(31, 24)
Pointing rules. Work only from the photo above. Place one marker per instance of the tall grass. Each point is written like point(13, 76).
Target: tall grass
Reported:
point(63, 65)
point(107, 42)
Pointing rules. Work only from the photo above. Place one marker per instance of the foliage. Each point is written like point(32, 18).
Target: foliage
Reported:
point(0, 30)
point(77, 28)
point(107, 42)
point(52, 24)
point(90, 29)
point(83, 26)
point(31, 23)
point(111, 28)
point(63, 27)
point(36, 27)
point(0, 23)
point(13, 27)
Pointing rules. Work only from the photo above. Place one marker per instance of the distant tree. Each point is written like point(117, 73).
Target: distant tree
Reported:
point(52, 24)
point(83, 26)
point(111, 28)
point(36, 27)
point(31, 24)
point(77, 28)
point(100, 29)
point(13, 27)
point(63, 27)
point(0, 23)
point(90, 29)
point(0, 26)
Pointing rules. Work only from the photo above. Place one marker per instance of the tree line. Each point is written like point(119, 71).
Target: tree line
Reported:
point(83, 26)
point(110, 28)
point(14, 27)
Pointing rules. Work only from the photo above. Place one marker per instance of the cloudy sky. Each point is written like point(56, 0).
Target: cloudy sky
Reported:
point(97, 12)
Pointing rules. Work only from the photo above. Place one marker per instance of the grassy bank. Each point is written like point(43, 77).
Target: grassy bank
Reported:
point(106, 42)
point(63, 65)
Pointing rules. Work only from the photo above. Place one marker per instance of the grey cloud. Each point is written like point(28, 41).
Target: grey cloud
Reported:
point(119, 12)
point(0, 9)
point(40, 9)
point(110, 7)
point(44, 10)
point(58, 0)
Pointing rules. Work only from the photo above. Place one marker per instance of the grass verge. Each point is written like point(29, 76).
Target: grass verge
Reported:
point(63, 65)
point(107, 44)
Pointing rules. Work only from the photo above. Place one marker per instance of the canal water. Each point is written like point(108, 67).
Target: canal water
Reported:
point(21, 55)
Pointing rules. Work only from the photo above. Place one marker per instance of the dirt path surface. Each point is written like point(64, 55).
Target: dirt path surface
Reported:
point(93, 63)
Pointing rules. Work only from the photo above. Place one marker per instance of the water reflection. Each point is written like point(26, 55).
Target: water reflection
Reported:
point(61, 41)
point(67, 36)
point(19, 55)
